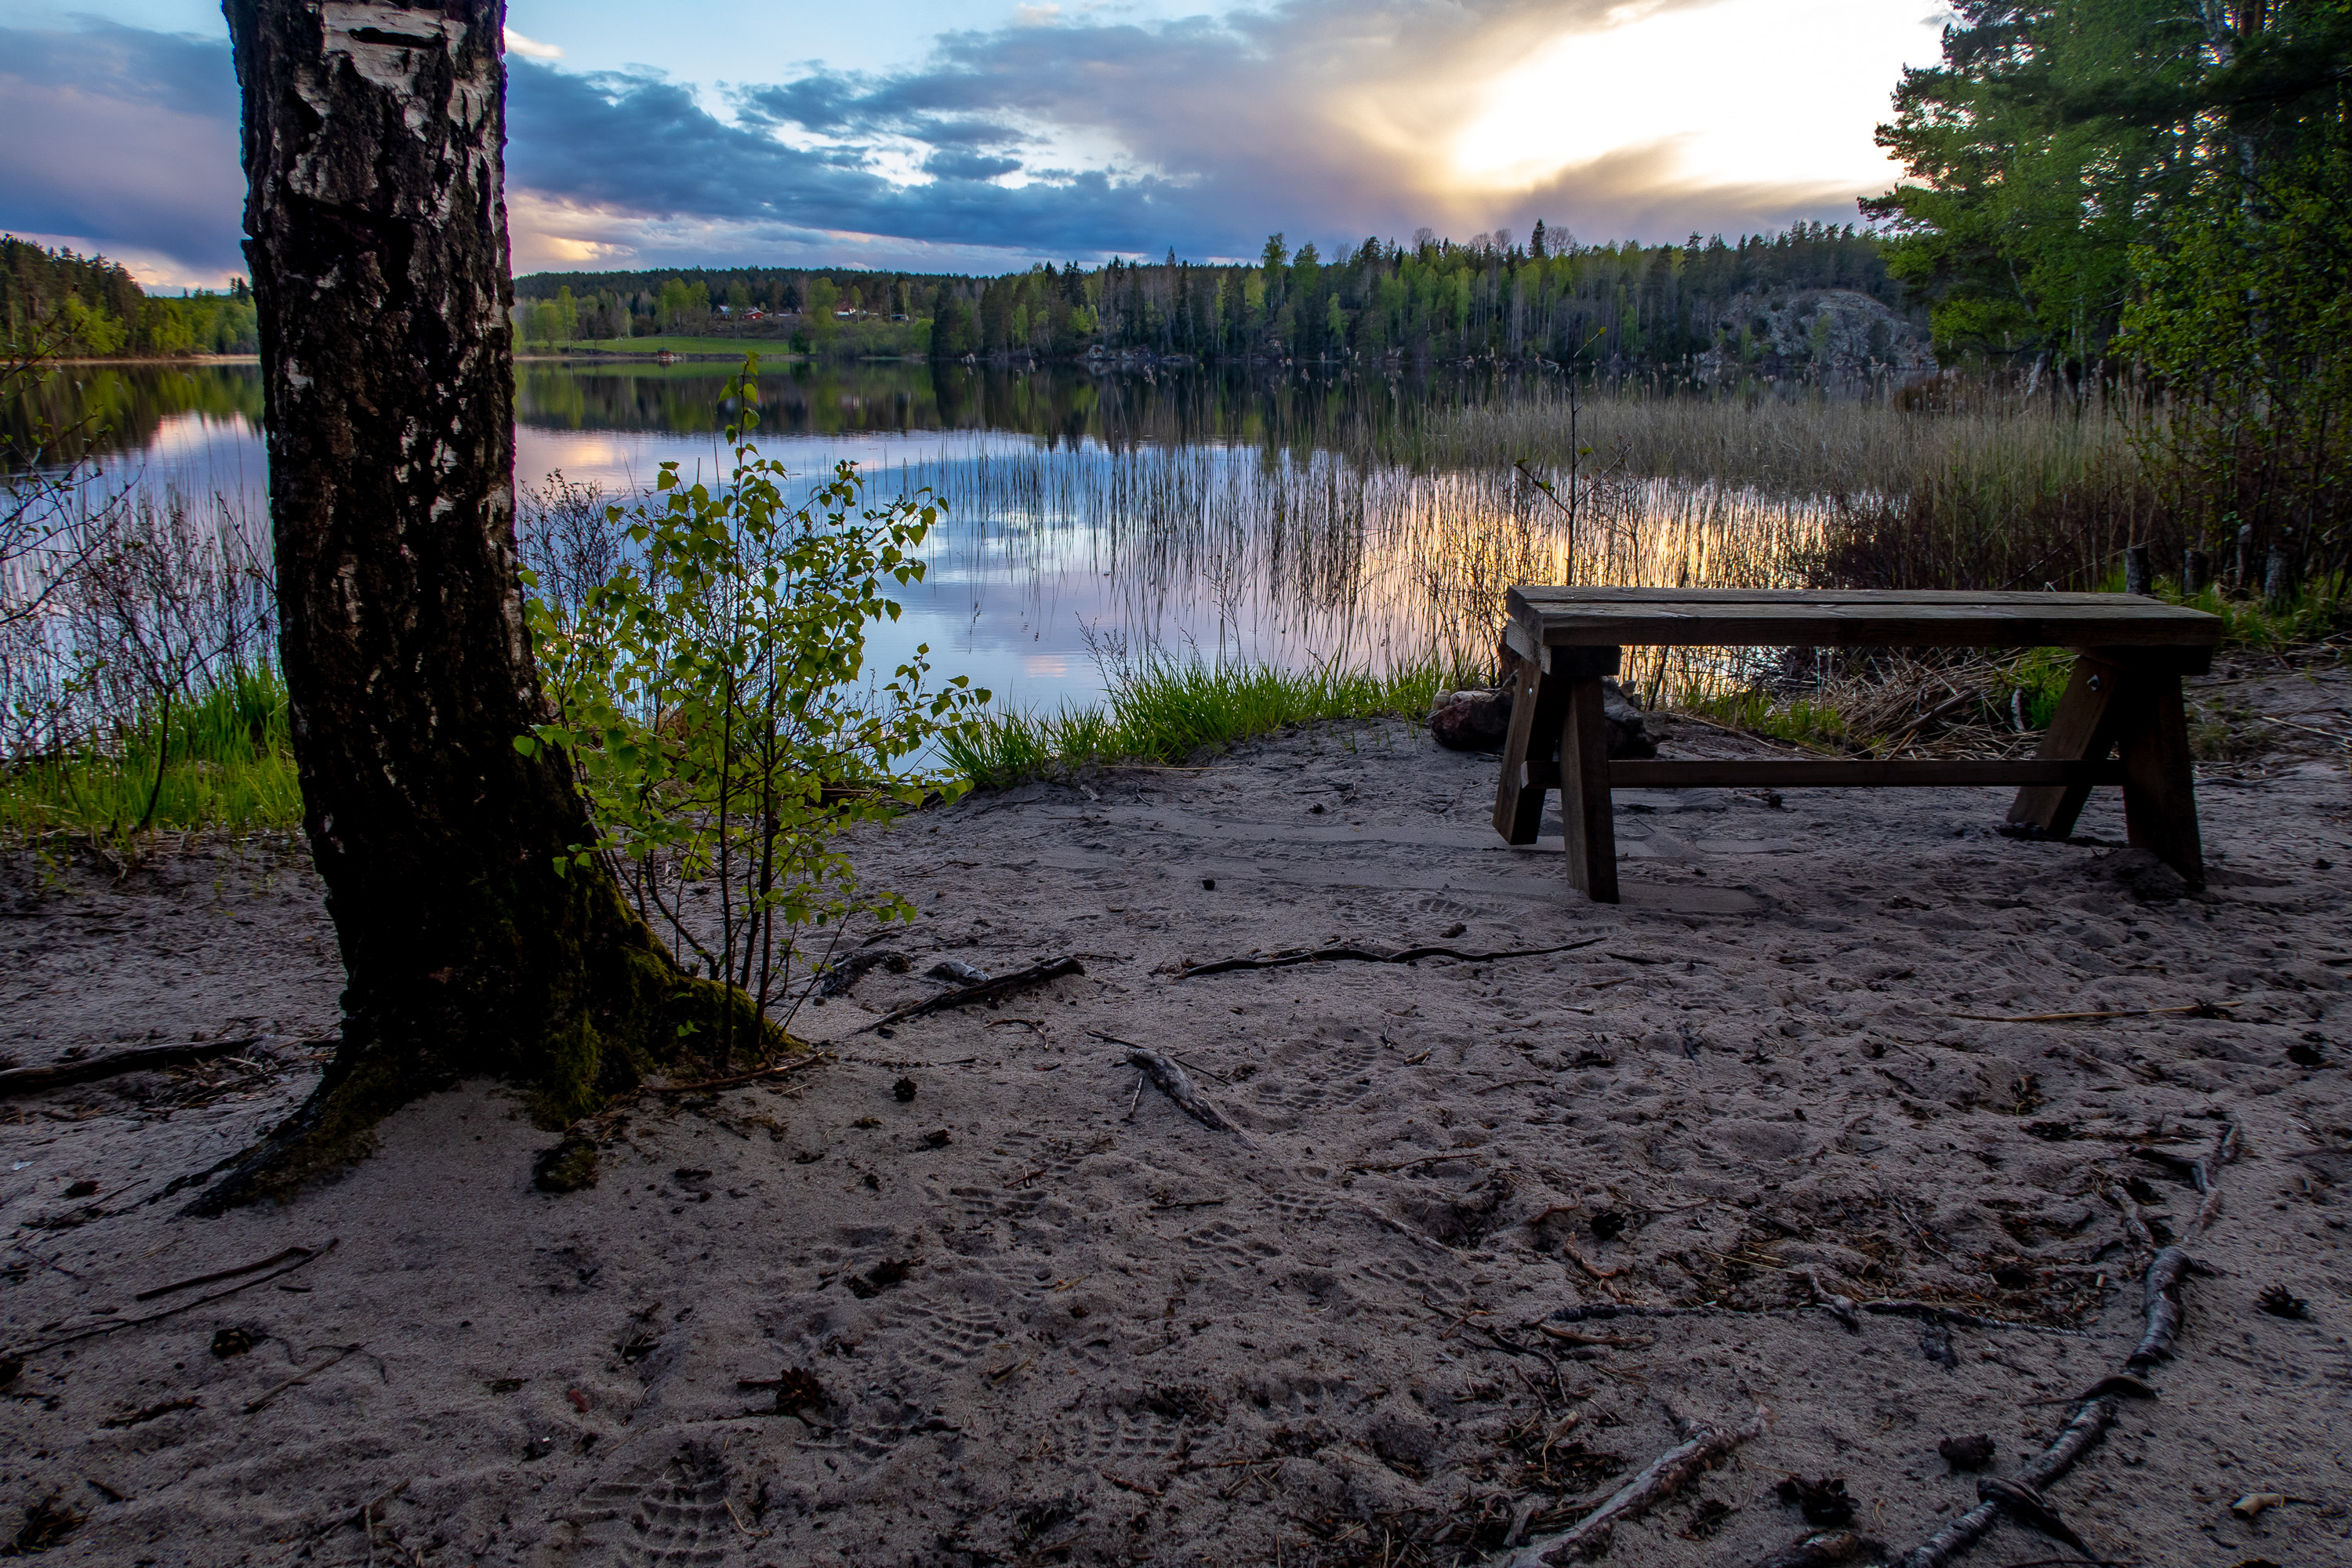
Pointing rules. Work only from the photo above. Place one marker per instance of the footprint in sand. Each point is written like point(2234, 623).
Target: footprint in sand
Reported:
point(674, 1517)
point(1134, 1435)
point(948, 1340)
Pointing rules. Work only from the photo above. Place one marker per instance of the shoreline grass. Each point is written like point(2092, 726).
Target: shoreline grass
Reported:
point(1167, 712)
point(223, 762)
point(645, 348)
point(230, 763)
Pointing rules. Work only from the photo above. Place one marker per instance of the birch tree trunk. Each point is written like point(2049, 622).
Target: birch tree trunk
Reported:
point(374, 151)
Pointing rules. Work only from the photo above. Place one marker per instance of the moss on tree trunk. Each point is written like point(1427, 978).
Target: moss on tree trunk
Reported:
point(378, 249)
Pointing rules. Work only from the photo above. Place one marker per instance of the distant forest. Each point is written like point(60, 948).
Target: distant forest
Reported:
point(88, 307)
point(1436, 300)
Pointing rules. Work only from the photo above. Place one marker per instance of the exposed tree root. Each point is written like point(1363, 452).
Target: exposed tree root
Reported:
point(2090, 1423)
point(618, 1010)
point(2161, 1297)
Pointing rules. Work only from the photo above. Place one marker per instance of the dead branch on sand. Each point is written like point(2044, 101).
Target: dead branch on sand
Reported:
point(2161, 1298)
point(86, 1069)
point(1701, 1446)
point(1370, 955)
point(1173, 1082)
point(309, 1257)
point(705, 1084)
point(986, 991)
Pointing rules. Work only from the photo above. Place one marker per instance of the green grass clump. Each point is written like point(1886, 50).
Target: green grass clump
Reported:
point(1816, 726)
point(2307, 620)
point(225, 762)
point(1167, 712)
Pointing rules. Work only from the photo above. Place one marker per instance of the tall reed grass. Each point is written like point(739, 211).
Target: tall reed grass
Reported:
point(1949, 485)
point(221, 761)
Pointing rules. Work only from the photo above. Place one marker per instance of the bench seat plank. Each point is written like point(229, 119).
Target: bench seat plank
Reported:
point(1669, 618)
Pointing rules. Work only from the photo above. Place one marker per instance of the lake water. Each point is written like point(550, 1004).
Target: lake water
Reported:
point(1233, 513)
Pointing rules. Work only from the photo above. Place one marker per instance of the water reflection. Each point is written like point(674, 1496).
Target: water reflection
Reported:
point(1231, 512)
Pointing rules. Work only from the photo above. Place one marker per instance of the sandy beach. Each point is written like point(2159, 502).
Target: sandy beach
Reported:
point(972, 1291)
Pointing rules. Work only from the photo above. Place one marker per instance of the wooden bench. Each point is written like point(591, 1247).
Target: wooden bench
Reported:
point(2120, 722)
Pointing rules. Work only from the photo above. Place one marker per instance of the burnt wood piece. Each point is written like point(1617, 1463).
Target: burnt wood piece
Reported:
point(2124, 697)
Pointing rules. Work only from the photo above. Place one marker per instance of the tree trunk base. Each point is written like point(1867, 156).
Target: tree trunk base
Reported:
point(640, 1013)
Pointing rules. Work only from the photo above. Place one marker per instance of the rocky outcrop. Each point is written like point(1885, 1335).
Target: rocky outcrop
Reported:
point(1819, 331)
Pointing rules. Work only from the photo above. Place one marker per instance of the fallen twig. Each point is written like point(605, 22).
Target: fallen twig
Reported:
point(304, 1376)
point(218, 1276)
point(58, 1075)
point(1163, 1071)
point(2118, 1382)
point(1127, 1485)
point(2029, 1507)
point(2089, 1425)
point(1610, 1341)
point(2193, 1010)
point(988, 990)
point(2134, 1223)
point(1567, 1250)
point(1841, 1307)
point(1368, 956)
point(1700, 1446)
point(2208, 1179)
point(707, 1084)
point(1427, 1159)
point(109, 1328)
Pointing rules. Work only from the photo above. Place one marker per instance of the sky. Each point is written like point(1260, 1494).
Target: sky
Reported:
point(981, 137)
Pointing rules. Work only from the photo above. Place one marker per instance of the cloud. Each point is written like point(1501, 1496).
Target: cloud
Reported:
point(519, 44)
point(123, 140)
point(1068, 133)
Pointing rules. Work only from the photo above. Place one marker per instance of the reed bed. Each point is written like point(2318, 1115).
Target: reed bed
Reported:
point(1949, 485)
point(1352, 565)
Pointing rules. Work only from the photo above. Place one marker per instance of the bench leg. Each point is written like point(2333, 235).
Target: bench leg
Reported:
point(1519, 808)
point(1538, 699)
point(2082, 731)
point(1584, 805)
point(2160, 777)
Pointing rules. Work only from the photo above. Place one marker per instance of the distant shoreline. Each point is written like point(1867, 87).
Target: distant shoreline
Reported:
point(163, 359)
